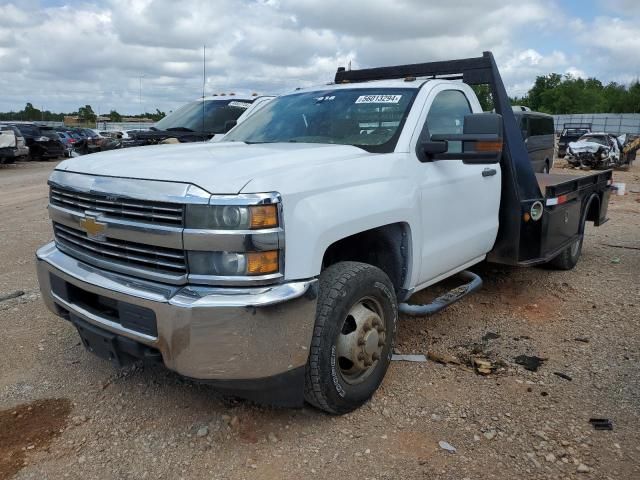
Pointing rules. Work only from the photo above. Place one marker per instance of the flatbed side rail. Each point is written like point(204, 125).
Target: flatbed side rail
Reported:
point(578, 183)
point(519, 186)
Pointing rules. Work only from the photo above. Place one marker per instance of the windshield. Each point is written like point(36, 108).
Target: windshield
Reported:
point(49, 134)
point(369, 118)
point(574, 132)
point(216, 114)
point(601, 140)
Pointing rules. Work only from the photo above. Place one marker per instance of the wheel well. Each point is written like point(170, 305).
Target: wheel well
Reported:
point(593, 209)
point(385, 247)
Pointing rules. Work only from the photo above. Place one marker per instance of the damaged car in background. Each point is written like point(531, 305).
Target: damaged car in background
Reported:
point(601, 150)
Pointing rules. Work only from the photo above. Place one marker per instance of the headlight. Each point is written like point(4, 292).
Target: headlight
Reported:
point(231, 217)
point(233, 264)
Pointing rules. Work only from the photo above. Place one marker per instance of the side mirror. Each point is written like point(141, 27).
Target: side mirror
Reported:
point(431, 149)
point(481, 140)
point(229, 124)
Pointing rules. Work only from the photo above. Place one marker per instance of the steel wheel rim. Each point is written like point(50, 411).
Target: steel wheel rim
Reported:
point(360, 341)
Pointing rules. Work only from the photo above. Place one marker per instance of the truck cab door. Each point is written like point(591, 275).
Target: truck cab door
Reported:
point(459, 202)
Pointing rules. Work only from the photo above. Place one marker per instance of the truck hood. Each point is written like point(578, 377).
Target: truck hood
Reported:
point(222, 168)
point(586, 147)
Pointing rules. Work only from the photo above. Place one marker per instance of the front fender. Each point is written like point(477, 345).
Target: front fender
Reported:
point(313, 222)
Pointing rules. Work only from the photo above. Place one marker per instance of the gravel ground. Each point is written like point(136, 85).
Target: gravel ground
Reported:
point(66, 414)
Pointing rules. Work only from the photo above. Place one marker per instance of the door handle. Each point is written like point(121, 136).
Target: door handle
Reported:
point(489, 172)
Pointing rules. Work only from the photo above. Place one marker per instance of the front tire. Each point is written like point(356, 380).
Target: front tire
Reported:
point(353, 337)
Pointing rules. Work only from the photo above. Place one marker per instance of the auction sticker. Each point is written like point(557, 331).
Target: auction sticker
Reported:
point(378, 98)
point(239, 104)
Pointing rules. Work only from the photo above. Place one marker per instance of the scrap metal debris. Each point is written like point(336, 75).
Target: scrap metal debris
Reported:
point(443, 358)
point(447, 446)
point(408, 358)
point(531, 363)
point(8, 296)
point(601, 423)
point(563, 375)
point(482, 365)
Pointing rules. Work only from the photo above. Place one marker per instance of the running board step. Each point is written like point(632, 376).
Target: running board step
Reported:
point(474, 282)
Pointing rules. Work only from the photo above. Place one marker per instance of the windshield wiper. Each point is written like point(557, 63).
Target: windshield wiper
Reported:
point(179, 129)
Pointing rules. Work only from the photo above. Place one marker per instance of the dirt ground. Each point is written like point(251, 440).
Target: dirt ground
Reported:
point(66, 414)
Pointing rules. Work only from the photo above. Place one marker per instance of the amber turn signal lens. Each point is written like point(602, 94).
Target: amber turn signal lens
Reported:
point(486, 146)
point(264, 216)
point(261, 263)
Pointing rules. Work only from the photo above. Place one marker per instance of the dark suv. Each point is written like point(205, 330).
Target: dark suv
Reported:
point(43, 142)
point(538, 135)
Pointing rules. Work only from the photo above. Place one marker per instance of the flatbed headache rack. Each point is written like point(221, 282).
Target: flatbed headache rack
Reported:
point(518, 242)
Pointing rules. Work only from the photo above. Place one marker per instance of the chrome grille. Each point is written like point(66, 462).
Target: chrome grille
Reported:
point(121, 253)
point(142, 211)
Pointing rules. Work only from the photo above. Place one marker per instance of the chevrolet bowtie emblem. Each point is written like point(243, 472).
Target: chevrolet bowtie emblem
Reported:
point(93, 228)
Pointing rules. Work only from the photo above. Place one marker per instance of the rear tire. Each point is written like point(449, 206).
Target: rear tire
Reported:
point(569, 257)
point(353, 337)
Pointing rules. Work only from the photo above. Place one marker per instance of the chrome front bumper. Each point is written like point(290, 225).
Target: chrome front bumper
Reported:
point(207, 333)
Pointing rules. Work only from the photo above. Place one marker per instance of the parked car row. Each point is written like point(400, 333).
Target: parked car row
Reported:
point(39, 142)
point(42, 142)
point(85, 140)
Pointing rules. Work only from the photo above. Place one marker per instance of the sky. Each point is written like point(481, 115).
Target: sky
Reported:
point(134, 56)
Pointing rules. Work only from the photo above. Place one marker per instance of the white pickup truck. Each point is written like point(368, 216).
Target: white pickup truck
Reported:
point(274, 264)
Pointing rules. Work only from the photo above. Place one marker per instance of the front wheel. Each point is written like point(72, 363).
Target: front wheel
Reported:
point(353, 337)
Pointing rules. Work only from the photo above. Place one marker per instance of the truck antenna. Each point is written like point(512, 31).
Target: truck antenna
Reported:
point(204, 81)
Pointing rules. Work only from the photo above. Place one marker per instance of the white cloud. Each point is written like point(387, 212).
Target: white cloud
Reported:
point(62, 57)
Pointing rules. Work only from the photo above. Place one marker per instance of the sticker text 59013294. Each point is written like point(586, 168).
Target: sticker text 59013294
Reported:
point(239, 104)
point(378, 98)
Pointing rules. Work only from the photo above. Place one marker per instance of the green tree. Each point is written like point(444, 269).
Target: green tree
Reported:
point(483, 92)
point(632, 102)
point(540, 86)
point(86, 114)
point(31, 113)
point(115, 116)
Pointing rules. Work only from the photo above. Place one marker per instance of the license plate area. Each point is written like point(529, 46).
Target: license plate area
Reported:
point(97, 341)
point(132, 317)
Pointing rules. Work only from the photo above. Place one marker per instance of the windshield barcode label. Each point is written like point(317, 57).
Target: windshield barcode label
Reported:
point(378, 98)
point(239, 104)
